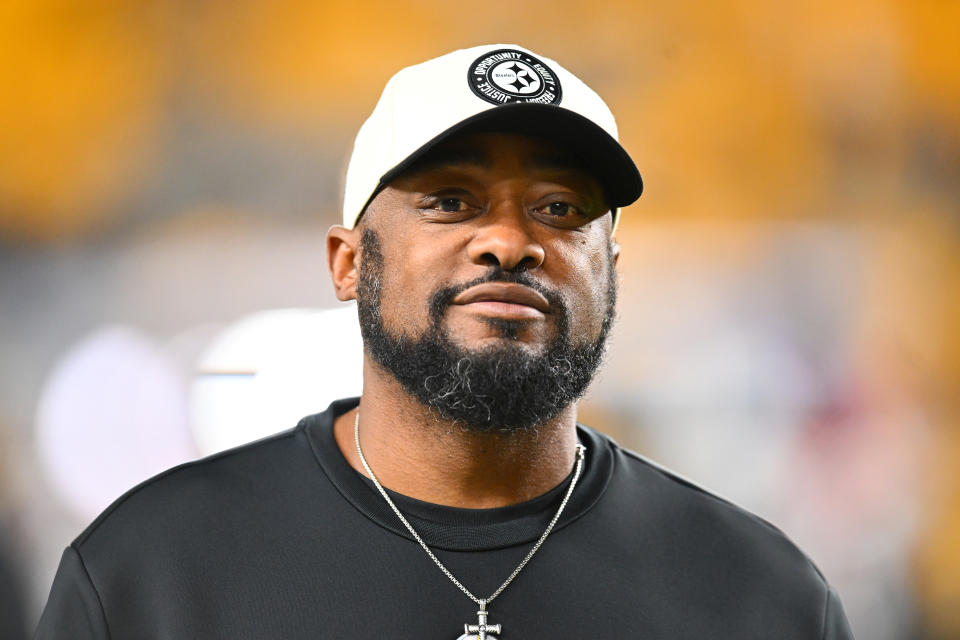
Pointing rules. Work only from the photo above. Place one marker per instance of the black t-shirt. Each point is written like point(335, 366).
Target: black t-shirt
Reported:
point(282, 539)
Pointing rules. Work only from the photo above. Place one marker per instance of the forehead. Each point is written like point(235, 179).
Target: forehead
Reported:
point(506, 151)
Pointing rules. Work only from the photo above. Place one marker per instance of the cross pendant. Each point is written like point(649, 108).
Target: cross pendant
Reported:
point(481, 630)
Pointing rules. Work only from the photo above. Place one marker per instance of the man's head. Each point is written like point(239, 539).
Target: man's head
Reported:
point(483, 269)
point(490, 88)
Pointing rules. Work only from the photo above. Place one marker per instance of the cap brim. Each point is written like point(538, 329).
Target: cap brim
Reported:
point(613, 166)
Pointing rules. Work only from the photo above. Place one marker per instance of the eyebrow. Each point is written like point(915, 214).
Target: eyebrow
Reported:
point(558, 162)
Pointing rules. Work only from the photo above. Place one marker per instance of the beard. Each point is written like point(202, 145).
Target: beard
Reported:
point(502, 387)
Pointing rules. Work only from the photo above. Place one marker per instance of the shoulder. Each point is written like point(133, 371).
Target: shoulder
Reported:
point(708, 529)
point(192, 497)
point(734, 571)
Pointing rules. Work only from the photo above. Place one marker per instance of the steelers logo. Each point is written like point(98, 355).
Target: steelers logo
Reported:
point(509, 75)
point(516, 77)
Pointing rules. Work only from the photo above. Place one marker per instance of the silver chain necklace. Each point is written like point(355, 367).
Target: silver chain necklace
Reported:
point(481, 630)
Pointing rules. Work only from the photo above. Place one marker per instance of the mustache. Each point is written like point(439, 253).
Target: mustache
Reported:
point(443, 297)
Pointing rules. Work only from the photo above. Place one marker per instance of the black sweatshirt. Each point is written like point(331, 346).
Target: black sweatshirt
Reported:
point(282, 539)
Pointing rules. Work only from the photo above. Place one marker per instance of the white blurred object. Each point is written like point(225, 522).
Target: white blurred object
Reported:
point(111, 414)
point(268, 370)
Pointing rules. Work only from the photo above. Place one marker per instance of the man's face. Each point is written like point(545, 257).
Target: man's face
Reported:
point(486, 280)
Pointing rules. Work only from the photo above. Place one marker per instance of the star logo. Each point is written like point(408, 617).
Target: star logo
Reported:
point(515, 77)
point(508, 75)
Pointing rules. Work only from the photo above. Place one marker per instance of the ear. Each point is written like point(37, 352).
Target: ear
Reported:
point(342, 261)
point(615, 250)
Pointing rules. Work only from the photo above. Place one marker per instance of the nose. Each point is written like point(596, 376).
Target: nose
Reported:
point(504, 239)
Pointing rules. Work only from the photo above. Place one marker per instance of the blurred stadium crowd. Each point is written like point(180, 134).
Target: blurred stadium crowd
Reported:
point(789, 330)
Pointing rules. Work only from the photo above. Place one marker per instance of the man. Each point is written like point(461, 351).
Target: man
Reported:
point(479, 209)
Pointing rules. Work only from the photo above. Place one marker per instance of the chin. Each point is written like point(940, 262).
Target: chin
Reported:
point(491, 330)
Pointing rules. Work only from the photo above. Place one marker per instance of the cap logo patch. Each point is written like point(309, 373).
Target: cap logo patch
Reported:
point(509, 75)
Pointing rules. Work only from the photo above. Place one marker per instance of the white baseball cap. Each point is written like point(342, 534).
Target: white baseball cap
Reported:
point(490, 88)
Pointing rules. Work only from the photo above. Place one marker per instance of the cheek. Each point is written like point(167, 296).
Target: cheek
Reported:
point(409, 280)
point(586, 282)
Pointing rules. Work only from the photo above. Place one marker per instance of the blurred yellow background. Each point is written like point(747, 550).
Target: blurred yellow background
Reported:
point(789, 330)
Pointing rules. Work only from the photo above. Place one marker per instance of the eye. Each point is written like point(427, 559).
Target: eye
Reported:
point(450, 205)
point(561, 209)
point(557, 211)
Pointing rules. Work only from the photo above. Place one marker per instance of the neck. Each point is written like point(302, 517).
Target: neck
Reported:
point(416, 453)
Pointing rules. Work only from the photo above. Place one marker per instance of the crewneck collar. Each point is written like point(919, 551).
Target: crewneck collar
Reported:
point(454, 528)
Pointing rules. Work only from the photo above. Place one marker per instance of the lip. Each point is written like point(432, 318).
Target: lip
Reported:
point(504, 293)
